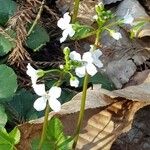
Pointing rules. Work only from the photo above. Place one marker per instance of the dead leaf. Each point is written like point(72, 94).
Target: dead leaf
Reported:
point(86, 9)
point(106, 2)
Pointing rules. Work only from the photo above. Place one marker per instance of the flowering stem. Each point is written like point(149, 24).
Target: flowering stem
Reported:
point(82, 109)
point(52, 70)
point(44, 126)
point(75, 11)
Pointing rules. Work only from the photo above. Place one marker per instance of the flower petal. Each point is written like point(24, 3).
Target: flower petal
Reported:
point(55, 92)
point(64, 22)
point(74, 82)
point(87, 57)
point(98, 63)
point(40, 104)
point(39, 89)
point(91, 69)
point(32, 73)
point(64, 36)
point(75, 56)
point(54, 104)
point(70, 30)
point(116, 35)
point(80, 71)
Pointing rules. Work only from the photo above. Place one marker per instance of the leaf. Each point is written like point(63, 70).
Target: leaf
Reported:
point(8, 81)
point(15, 134)
point(3, 116)
point(8, 141)
point(20, 107)
point(55, 138)
point(7, 9)
point(5, 45)
point(37, 38)
point(81, 31)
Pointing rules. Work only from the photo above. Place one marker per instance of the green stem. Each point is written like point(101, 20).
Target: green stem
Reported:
point(36, 19)
point(82, 109)
point(44, 126)
point(52, 70)
point(75, 11)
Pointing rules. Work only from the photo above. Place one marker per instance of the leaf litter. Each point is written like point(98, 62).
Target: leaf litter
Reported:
point(110, 116)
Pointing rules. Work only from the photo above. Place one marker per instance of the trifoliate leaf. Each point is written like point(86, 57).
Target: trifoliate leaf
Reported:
point(15, 134)
point(8, 81)
point(37, 38)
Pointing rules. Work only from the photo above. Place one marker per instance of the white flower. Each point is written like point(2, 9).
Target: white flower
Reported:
point(115, 35)
point(95, 55)
point(128, 19)
point(32, 73)
point(50, 96)
point(88, 62)
point(74, 82)
point(64, 24)
point(95, 17)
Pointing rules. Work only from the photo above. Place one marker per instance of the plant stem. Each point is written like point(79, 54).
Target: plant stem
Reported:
point(36, 19)
point(82, 109)
point(75, 11)
point(44, 126)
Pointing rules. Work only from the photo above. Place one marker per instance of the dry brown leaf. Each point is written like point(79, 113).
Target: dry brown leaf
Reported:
point(139, 92)
point(101, 126)
point(86, 9)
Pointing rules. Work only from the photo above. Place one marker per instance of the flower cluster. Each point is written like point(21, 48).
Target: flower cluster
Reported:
point(50, 96)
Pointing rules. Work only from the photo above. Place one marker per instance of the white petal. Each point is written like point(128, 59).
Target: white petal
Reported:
point(80, 71)
point(75, 56)
point(39, 89)
point(32, 73)
point(87, 57)
point(128, 19)
point(98, 63)
point(40, 104)
point(64, 36)
point(74, 82)
point(54, 104)
point(55, 92)
point(70, 30)
point(96, 60)
point(116, 35)
point(91, 69)
point(64, 22)
point(67, 18)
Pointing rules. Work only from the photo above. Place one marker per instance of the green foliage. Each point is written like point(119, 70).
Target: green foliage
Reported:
point(5, 44)
point(3, 116)
point(7, 9)
point(20, 107)
point(37, 38)
point(9, 140)
point(55, 138)
point(81, 31)
point(8, 82)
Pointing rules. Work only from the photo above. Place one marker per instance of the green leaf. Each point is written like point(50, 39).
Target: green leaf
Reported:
point(5, 45)
point(81, 31)
point(8, 81)
point(102, 79)
point(20, 107)
point(37, 38)
point(7, 141)
point(7, 9)
point(56, 135)
point(55, 138)
point(15, 134)
point(3, 116)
